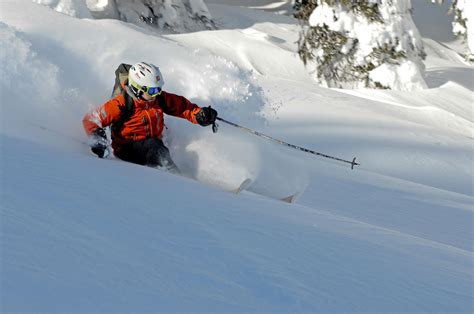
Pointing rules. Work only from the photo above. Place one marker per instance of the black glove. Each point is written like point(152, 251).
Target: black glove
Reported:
point(206, 116)
point(98, 142)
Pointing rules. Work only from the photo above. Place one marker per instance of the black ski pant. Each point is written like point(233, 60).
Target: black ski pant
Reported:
point(150, 152)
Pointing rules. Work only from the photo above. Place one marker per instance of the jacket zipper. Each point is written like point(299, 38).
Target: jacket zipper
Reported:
point(145, 126)
point(149, 124)
point(157, 121)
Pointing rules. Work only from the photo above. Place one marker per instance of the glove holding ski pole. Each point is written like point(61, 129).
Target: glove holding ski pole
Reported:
point(98, 143)
point(207, 116)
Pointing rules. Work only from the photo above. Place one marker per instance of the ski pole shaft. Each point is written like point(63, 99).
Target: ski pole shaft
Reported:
point(352, 163)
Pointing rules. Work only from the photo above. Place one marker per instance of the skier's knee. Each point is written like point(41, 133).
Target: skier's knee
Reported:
point(158, 153)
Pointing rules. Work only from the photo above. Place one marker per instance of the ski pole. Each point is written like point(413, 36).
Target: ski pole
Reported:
point(352, 163)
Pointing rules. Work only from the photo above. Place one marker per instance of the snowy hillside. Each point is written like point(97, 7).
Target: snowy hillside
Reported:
point(78, 233)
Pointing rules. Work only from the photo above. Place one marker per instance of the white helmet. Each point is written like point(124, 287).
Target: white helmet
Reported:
point(145, 78)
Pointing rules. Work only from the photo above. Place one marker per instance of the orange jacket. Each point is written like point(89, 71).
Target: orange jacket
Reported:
point(146, 120)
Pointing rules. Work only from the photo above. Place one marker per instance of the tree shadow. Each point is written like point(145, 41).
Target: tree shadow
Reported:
point(440, 76)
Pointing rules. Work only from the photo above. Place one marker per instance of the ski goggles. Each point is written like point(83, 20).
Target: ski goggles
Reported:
point(151, 91)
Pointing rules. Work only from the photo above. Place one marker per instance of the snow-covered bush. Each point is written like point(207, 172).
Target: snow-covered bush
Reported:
point(171, 15)
point(364, 43)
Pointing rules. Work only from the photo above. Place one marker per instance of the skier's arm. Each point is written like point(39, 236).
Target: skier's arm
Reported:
point(178, 106)
point(95, 121)
point(104, 115)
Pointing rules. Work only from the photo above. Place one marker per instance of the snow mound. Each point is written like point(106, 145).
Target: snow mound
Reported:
point(74, 8)
point(405, 76)
point(175, 15)
point(172, 15)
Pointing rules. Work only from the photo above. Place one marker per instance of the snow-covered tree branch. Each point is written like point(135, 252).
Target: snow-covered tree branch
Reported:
point(364, 43)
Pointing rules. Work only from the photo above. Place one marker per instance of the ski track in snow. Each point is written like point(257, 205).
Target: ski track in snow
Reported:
point(83, 234)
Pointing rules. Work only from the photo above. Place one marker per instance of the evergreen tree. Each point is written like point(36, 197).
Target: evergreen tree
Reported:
point(361, 43)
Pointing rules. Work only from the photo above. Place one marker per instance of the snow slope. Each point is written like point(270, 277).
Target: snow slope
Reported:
point(83, 234)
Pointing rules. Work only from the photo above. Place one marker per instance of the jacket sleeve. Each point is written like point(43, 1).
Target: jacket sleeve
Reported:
point(178, 106)
point(104, 115)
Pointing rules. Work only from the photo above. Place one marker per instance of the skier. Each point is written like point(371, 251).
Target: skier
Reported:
point(136, 117)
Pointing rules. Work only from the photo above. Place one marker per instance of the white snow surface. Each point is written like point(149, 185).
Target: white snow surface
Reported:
point(82, 234)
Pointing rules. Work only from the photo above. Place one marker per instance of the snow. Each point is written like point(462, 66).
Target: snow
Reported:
point(172, 15)
point(75, 8)
point(83, 234)
point(405, 76)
